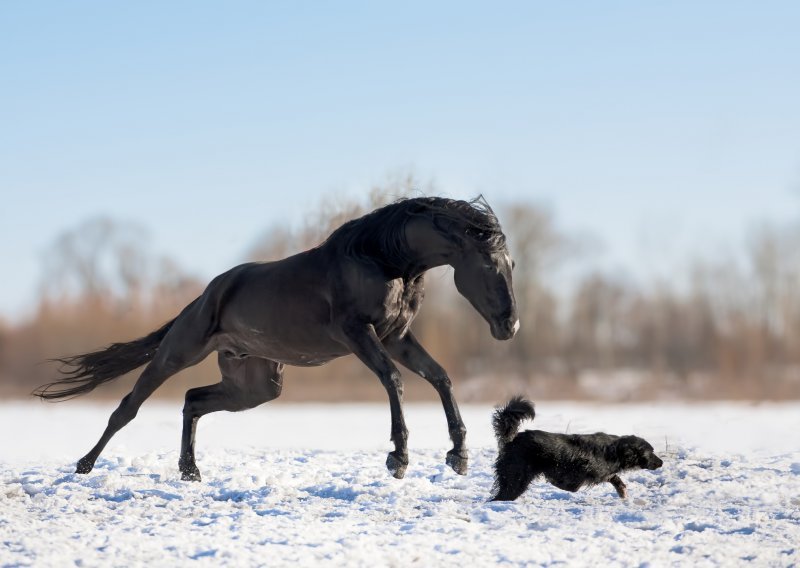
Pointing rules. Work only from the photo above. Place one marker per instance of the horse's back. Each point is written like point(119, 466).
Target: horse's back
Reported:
point(277, 310)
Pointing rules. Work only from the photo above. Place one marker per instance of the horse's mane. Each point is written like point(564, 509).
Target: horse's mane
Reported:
point(379, 236)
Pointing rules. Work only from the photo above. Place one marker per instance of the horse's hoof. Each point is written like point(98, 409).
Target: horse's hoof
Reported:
point(191, 475)
point(396, 466)
point(458, 461)
point(189, 472)
point(84, 466)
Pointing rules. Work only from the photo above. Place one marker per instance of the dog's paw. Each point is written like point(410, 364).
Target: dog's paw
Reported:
point(396, 465)
point(458, 461)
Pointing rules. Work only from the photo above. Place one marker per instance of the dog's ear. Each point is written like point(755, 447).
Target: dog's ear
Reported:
point(628, 452)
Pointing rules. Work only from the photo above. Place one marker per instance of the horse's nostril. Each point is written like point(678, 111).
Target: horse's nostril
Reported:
point(505, 328)
point(511, 325)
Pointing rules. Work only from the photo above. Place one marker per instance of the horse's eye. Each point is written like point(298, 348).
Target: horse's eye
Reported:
point(513, 264)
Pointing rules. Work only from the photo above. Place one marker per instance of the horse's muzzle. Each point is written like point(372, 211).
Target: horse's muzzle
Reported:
point(506, 329)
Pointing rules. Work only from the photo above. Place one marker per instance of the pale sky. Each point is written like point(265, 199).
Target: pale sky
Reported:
point(660, 129)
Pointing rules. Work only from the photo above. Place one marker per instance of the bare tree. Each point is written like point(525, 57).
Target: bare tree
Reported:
point(597, 328)
point(537, 246)
point(331, 212)
point(99, 259)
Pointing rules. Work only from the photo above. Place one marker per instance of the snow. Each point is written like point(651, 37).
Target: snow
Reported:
point(305, 484)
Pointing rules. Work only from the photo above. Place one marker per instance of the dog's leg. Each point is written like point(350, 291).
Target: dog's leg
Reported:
point(619, 485)
point(513, 475)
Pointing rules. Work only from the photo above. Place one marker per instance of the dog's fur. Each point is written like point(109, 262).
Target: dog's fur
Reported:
point(568, 461)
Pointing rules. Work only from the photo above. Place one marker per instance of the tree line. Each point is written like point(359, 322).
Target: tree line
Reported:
point(725, 328)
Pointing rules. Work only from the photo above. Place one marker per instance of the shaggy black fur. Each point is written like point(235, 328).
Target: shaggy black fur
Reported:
point(568, 461)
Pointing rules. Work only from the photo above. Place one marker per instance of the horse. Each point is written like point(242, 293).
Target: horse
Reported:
point(357, 292)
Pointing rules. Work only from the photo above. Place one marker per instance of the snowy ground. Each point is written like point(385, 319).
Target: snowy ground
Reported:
point(305, 484)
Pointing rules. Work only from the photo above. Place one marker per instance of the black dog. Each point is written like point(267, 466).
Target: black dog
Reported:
point(568, 461)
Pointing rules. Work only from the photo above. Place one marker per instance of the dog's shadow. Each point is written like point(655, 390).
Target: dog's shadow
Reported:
point(556, 496)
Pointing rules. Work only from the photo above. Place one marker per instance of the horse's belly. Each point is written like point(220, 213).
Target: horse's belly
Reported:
point(300, 353)
point(305, 355)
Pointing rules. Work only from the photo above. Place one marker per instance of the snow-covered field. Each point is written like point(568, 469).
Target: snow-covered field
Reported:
point(306, 485)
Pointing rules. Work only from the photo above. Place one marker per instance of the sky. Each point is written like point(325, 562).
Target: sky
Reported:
point(660, 130)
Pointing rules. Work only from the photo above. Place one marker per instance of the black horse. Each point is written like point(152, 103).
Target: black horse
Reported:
point(357, 292)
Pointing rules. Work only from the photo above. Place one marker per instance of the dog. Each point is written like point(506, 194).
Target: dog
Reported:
point(568, 461)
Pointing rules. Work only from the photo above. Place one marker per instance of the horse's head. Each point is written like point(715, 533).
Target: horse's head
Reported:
point(484, 278)
point(467, 236)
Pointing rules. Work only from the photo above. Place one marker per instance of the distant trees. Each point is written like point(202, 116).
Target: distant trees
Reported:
point(100, 284)
point(98, 259)
point(331, 212)
point(728, 328)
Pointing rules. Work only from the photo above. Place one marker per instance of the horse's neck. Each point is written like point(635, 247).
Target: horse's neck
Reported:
point(428, 247)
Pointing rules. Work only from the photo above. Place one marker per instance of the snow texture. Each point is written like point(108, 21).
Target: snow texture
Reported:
point(306, 485)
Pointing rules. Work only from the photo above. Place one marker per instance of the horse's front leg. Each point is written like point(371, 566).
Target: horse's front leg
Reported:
point(364, 343)
point(407, 351)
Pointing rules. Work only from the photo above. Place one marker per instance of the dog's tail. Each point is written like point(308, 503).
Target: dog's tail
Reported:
point(507, 418)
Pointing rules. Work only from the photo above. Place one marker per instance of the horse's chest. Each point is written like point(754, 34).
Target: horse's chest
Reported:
point(399, 306)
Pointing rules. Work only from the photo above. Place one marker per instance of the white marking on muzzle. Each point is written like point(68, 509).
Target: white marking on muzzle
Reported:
point(516, 327)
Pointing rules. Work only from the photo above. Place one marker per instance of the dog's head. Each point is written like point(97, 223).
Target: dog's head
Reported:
point(636, 453)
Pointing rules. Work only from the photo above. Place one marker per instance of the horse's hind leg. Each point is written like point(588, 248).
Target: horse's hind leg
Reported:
point(246, 383)
point(182, 347)
point(408, 352)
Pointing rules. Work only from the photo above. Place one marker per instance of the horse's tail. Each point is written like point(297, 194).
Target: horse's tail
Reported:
point(84, 373)
point(507, 418)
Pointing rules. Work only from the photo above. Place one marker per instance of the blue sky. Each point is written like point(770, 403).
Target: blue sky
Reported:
point(660, 129)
